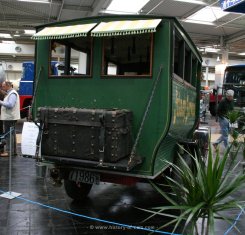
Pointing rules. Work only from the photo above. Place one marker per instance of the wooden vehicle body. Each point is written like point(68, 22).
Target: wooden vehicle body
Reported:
point(151, 71)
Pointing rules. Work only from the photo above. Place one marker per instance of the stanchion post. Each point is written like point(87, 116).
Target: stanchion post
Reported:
point(10, 194)
point(10, 158)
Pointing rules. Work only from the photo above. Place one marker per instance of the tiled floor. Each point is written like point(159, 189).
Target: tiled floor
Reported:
point(117, 203)
point(107, 201)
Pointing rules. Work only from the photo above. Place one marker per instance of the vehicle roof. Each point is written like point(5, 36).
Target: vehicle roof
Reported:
point(236, 66)
point(96, 18)
point(100, 18)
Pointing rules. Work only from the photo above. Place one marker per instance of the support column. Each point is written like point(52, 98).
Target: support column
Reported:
point(207, 70)
point(225, 56)
point(224, 51)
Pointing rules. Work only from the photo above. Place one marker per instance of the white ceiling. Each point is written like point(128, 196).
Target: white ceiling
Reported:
point(227, 33)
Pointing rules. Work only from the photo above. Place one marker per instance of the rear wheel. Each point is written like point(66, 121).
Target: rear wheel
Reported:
point(77, 190)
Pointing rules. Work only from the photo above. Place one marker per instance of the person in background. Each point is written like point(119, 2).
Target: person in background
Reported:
point(2, 141)
point(2, 95)
point(225, 106)
point(10, 113)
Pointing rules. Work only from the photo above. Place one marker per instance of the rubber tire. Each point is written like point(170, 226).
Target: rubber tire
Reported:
point(77, 191)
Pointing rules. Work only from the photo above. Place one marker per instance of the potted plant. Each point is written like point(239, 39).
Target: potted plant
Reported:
point(243, 151)
point(236, 132)
point(200, 194)
point(233, 117)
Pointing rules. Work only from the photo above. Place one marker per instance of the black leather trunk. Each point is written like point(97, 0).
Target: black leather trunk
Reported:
point(87, 134)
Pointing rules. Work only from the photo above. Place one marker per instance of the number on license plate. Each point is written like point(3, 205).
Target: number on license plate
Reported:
point(84, 177)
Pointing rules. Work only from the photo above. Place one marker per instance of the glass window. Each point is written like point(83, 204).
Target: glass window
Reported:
point(129, 55)
point(71, 57)
point(178, 56)
point(185, 63)
point(188, 65)
point(194, 71)
point(235, 77)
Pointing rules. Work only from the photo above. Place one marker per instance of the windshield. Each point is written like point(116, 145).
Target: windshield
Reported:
point(235, 79)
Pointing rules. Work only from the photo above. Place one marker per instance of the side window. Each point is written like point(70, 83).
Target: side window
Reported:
point(178, 55)
point(194, 72)
point(241, 78)
point(188, 65)
point(71, 57)
point(127, 55)
point(185, 62)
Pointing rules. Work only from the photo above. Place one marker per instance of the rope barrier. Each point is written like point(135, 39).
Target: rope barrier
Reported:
point(94, 219)
point(236, 220)
point(3, 135)
point(116, 223)
point(27, 107)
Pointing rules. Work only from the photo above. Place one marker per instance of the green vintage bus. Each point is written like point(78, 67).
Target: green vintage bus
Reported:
point(125, 97)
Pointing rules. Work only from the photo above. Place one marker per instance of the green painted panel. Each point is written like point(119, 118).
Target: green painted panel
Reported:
point(165, 154)
point(122, 93)
point(126, 93)
point(184, 110)
point(182, 122)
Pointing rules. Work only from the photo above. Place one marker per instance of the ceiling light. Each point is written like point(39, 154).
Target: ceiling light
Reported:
point(16, 35)
point(232, 52)
point(5, 35)
point(210, 49)
point(192, 1)
point(201, 49)
point(243, 53)
point(29, 31)
point(35, 1)
point(206, 15)
point(126, 6)
point(8, 42)
point(198, 22)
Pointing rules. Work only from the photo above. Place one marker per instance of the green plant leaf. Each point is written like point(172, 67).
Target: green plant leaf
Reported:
point(234, 116)
point(200, 190)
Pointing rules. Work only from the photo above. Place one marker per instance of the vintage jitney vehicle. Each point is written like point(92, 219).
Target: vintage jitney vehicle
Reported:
point(128, 96)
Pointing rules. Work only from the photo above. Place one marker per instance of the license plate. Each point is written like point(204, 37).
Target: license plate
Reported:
point(87, 177)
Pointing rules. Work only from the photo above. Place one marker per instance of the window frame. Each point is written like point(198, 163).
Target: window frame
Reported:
point(148, 76)
point(63, 76)
point(185, 55)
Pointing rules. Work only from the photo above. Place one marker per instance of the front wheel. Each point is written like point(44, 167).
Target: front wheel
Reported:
point(77, 190)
